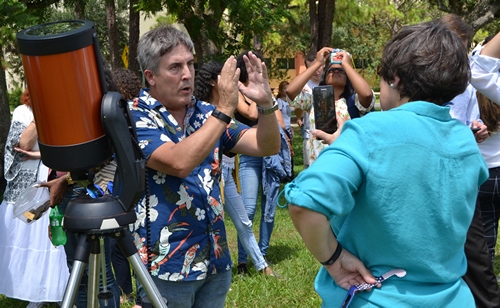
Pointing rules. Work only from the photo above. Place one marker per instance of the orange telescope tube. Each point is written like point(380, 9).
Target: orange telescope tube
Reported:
point(63, 71)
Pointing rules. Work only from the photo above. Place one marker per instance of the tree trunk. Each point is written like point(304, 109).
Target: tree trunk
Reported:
point(80, 9)
point(203, 44)
point(313, 17)
point(258, 45)
point(326, 11)
point(202, 36)
point(475, 13)
point(133, 38)
point(482, 14)
point(4, 120)
point(114, 48)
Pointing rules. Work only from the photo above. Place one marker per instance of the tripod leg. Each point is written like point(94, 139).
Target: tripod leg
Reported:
point(93, 284)
point(147, 283)
point(130, 251)
point(81, 259)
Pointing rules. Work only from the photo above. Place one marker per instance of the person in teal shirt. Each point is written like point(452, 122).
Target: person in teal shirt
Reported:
point(397, 189)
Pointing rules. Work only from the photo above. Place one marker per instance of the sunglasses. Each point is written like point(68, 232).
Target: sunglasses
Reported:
point(335, 70)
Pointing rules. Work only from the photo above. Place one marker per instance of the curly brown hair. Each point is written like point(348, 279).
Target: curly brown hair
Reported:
point(25, 98)
point(128, 83)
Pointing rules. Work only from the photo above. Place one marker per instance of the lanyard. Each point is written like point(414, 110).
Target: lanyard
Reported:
point(364, 286)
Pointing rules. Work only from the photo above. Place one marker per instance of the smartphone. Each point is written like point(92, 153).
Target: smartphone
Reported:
point(475, 129)
point(334, 58)
point(324, 108)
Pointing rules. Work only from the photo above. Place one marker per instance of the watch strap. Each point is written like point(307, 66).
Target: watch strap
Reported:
point(268, 110)
point(221, 116)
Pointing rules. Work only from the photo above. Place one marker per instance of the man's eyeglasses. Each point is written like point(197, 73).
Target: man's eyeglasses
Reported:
point(335, 70)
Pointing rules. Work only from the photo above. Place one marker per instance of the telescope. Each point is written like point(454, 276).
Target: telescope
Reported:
point(80, 126)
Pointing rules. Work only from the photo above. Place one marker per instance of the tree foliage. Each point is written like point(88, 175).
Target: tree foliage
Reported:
point(476, 13)
point(220, 28)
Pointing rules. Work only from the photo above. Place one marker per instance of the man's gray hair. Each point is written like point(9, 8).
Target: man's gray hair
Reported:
point(157, 42)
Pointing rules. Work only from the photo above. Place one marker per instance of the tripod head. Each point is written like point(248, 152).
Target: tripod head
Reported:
point(79, 123)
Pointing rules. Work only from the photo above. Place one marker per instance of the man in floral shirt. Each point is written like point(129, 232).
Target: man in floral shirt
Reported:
point(183, 140)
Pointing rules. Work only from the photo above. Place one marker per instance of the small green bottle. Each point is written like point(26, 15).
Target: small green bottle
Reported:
point(58, 233)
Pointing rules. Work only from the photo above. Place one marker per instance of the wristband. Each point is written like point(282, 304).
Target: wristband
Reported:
point(335, 256)
point(221, 116)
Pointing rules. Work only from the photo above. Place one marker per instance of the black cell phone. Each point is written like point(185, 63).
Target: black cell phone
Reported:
point(324, 109)
point(475, 129)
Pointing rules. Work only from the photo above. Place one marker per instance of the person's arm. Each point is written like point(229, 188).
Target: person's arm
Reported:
point(279, 114)
point(263, 140)
point(296, 85)
point(28, 137)
point(249, 111)
point(29, 154)
point(482, 133)
point(361, 87)
point(179, 159)
point(195, 148)
point(485, 67)
point(492, 48)
point(315, 230)
point(57, 188)
point(299, 113)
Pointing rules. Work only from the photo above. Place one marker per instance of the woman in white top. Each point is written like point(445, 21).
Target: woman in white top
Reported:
point(31, 268)
point(485, 77)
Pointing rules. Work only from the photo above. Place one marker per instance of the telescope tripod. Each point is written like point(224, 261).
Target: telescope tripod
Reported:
point(93, 219)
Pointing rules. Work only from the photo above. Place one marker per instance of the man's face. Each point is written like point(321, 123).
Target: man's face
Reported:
point(317, 75)
point(173, 84)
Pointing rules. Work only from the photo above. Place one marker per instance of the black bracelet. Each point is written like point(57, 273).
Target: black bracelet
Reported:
point(335, 255)
point(221, 116)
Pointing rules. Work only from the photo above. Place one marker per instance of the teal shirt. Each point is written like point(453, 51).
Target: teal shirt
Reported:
point(399, 188)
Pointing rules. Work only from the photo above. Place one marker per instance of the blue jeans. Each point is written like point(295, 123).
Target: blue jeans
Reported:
point(121, 268)
point(234, 207)
point(70, 248)
point(209, 292)
point(251, 180)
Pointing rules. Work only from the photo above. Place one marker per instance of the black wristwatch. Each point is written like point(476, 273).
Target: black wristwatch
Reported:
point(221, 116)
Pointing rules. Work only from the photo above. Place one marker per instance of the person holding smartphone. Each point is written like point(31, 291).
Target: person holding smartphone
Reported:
point(351, 92)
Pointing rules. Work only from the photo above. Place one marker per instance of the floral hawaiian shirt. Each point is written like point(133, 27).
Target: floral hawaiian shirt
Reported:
point(186, 231)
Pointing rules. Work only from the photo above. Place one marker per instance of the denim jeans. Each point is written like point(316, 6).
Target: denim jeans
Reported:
point(251, 180)
point(121, 267)
point(70, 248)
point(209, 292)
point(234, 207)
